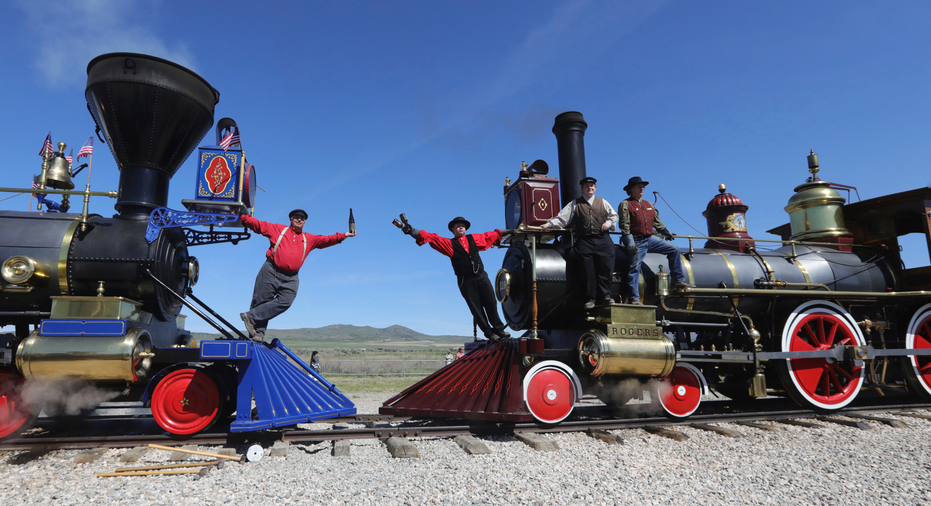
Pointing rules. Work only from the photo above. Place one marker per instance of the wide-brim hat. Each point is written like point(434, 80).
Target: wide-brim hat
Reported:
point(633, 181)
point(298, 212)
point(458, 219)
point(588, 179)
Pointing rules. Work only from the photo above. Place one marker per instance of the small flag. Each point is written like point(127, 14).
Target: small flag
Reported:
point(35, 184)
point(70, 156)
point(230, 139)
point(87, 148)
point(47, 146)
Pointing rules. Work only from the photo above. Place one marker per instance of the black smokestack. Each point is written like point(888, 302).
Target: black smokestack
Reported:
point(153, 113)
point(570, 143)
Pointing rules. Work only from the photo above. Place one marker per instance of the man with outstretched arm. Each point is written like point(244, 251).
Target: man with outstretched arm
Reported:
point(276, 283)
point(591, 218)
point(639, 219)
point(474, 285)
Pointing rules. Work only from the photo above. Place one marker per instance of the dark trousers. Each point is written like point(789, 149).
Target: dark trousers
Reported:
point(596, 255)
point(273, 294)
point(480, 296)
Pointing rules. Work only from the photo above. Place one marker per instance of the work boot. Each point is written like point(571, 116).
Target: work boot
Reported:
point(259, 338)
point(681, 285)
point(503, 334)
point(590, 304)
point(249, 327)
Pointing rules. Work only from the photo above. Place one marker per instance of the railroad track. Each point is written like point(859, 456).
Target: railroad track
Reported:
point(381, 427)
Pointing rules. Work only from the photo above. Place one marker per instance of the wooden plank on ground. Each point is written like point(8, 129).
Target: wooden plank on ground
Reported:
point(195, 452)
point(183, 453)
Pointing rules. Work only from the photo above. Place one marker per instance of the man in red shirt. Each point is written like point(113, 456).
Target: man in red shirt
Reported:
point(276, 283)
point(474, 285)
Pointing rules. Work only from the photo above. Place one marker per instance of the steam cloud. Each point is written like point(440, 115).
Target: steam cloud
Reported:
point(632, 388)
point(65, 396)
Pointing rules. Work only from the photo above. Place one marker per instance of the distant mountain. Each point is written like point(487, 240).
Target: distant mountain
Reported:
point(348, 332)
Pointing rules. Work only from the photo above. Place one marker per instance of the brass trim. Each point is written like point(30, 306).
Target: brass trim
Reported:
point(242, 173)
point(815, 202)
point(733, 269)
point(801, 267)
point(63, 256)
point(691, 275)
point(813, 294)
point(650, 353)
point(507, 284)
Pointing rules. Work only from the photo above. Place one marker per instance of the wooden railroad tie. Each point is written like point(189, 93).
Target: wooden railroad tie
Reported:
point(198, 468)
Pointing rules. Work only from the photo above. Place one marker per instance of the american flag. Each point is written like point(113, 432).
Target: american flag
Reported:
point(87, 148)
point(70, 156)
point(35, 184)
point(47, 146)
point(230, 139)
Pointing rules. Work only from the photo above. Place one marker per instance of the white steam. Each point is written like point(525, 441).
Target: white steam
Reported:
point(65, 396)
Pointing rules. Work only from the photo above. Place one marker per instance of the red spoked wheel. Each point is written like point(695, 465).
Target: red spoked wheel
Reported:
point(918, 367)
point(550, 391)
point(680, 393)
point(15, 414)
point(823, 383)
point(186, 401)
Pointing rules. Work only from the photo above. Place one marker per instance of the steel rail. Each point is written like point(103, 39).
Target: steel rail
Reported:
point(729, 414)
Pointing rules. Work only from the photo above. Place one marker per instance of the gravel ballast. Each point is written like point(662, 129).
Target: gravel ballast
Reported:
point(832, 465)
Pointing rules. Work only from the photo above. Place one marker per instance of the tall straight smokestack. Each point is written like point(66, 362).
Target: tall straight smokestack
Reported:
point(570, 144)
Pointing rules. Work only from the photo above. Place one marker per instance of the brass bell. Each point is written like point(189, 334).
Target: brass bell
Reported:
point(59, 171)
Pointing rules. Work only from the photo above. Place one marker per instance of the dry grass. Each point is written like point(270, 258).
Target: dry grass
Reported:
point(373, 384)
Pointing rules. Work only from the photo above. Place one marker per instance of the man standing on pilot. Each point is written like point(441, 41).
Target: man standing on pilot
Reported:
point(474, 285)
point(276, 283)
point(592, 218)
point(638, 220)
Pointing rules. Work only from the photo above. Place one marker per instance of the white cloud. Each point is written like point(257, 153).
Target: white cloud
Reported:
point(70, 33)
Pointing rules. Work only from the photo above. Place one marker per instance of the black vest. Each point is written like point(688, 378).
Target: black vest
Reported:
point(466, 264)
point(588, 219)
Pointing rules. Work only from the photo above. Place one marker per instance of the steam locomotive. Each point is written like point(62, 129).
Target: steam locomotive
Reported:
point(97, 300)
point(825, 314)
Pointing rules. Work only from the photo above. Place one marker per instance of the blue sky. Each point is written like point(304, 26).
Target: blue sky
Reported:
point(425, 107)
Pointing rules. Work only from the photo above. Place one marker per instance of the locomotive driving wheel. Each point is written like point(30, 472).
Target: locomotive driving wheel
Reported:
point(550, 391)
point(824, 383)
point(15, 414)
point(918, 367)
point(679, 394)
point(186, 401)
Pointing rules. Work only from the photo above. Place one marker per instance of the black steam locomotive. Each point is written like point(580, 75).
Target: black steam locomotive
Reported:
point(826, 311)
point(97, 300)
